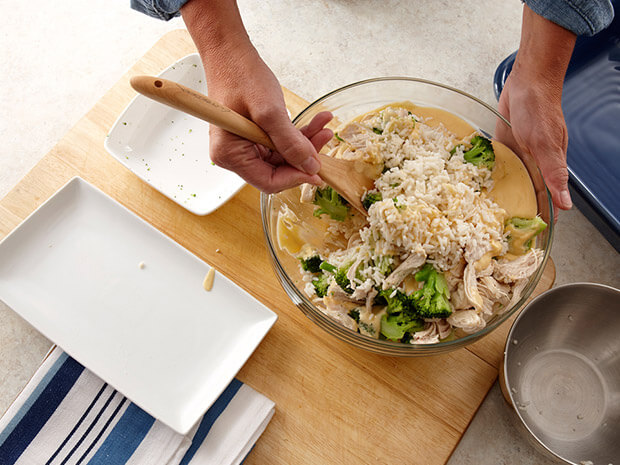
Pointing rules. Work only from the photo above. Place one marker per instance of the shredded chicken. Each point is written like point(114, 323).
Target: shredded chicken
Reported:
point(488, 271)
point(517, 289)
point(454, 276)
point(354, 240)
point(343, 318)
point(432, 333)
point(510, 271)
point(469, 321)
point(336, 296)
point(370, 298)
point(355, 135)
point(353, 269)
point(307, 193)
point(470, 284)
point(458, 299)
point(414, 261)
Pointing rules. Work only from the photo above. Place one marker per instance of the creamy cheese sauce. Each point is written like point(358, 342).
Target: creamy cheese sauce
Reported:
point(288, 233)
point(519, 239)
point(207, 284)
point(513, 189)
point(484, 261)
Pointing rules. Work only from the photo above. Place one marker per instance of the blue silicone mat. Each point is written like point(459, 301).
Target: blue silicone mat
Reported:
point(591, 105)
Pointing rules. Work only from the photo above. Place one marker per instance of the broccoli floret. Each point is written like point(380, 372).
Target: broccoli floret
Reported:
point(433, 300)
point(401, 316)
point(342, 280)
point(521, 233)
point(396, 301)
point(330, 203)
point(355, 314)
point(481, 153)
point(370, 198)
point(394, 327)
point(321, 284)
point(311, 264)
point(328, 267)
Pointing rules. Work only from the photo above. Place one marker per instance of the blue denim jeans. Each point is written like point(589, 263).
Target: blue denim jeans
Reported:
point(583, 17)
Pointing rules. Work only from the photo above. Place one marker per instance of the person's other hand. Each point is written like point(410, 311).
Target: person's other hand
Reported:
point(535, 113)
point(532, 101)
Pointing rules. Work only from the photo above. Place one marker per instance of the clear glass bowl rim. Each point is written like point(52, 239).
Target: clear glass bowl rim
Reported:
point(377, 345)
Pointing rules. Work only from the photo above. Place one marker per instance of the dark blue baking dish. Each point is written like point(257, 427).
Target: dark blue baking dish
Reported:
point(591, 105)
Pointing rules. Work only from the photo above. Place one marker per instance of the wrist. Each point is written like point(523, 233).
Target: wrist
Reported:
point(544, 51)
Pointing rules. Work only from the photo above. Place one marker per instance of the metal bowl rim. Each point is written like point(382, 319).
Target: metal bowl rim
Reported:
point(504, 372)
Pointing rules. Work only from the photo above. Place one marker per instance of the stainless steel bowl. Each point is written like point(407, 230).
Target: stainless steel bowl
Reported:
point(561, 372)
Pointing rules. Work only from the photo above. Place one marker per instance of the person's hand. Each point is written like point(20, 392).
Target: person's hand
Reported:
point(532, 101)
point(535, 113)
point(238, 78)
point(250, 88)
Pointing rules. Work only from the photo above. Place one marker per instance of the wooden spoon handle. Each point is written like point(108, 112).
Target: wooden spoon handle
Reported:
point(189, 101)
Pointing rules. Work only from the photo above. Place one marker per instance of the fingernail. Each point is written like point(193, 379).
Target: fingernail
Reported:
point(565, 198)
point(311, 166)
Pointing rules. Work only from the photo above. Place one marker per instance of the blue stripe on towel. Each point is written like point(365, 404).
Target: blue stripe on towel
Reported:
point(207, 421)
point(124, 438)
point(34, 396)
point(39, 409)
point(77, 425)
point(93, 423)
point(103, 430)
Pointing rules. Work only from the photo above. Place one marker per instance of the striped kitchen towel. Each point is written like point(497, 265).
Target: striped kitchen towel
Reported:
point(67, 415)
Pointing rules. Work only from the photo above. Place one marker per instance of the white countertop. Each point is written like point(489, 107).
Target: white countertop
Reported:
point(60, 57)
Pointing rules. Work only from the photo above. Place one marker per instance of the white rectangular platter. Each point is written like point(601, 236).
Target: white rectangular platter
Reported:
point(128, 303)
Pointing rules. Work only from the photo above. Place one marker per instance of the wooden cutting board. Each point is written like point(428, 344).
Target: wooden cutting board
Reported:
point(335, 403)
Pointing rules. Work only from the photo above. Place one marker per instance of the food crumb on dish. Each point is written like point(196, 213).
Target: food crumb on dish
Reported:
point(207, 284)
point(515, 342)
point(141, 265)
point(523, 405)
point(580, 417)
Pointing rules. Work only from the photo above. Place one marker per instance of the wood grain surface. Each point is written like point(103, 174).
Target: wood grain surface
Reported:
point(335, 404)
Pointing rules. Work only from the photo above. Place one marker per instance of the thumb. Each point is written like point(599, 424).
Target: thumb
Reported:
point(294, 147)
point(553, 167)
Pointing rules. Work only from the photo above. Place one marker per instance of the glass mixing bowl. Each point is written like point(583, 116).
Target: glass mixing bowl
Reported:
point(345, 104)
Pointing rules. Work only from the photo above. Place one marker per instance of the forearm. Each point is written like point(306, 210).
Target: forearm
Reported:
point(216, 28)
point(545, 51)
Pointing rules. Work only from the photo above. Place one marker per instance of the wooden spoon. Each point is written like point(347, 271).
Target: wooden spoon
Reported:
point(346, 177)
